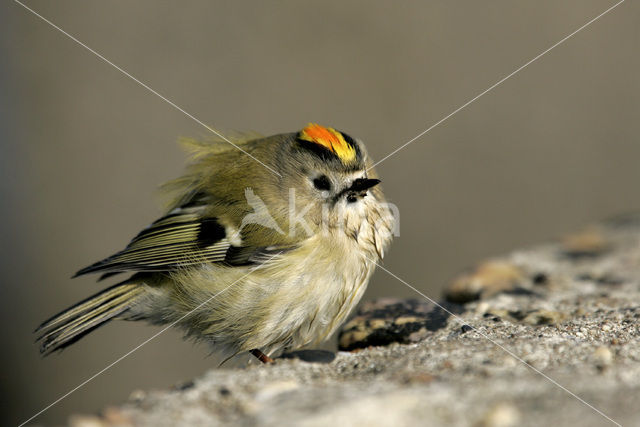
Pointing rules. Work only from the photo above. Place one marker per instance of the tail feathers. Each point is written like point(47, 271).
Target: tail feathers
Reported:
point(75, 322)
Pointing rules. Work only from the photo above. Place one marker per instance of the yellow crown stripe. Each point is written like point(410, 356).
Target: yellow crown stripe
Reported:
point(331, 139)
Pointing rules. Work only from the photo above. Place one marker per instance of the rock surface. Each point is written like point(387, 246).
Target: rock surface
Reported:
point(553, 341)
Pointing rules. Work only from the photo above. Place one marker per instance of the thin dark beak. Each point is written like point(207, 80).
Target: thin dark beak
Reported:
point(361, 185)
point(358, 189)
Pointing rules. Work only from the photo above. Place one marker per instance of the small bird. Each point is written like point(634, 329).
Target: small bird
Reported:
point(267, 245)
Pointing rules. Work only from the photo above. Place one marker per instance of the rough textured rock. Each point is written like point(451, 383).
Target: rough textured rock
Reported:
point(553, 345)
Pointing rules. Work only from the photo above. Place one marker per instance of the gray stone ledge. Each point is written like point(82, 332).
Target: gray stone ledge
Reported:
point(570, 310)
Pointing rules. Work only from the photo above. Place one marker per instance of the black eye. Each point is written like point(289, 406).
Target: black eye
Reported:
point(322, 183)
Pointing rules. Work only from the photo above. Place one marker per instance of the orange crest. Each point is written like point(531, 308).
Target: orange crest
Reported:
point(330, 139)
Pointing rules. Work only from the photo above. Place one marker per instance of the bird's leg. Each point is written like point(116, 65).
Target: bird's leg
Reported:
point(261, 356)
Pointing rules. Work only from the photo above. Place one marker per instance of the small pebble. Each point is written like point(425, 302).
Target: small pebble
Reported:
point(85, 421)
point(586, 243)
point(487, 279)
point(603, 357)
point(466, 328)
point(501, 415)
point(482, 307)
point(137, 395)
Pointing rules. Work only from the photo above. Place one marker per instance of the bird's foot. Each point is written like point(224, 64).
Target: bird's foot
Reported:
point(261, 356)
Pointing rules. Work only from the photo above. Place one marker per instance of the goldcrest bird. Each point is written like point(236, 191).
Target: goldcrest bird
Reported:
point(267, 245)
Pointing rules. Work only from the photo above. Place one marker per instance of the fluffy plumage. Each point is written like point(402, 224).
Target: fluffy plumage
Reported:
point(246, 259)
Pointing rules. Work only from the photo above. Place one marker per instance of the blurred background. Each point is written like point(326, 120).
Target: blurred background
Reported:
point(83, 147)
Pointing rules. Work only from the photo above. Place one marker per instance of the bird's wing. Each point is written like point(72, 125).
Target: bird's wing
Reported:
point(180, 239)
